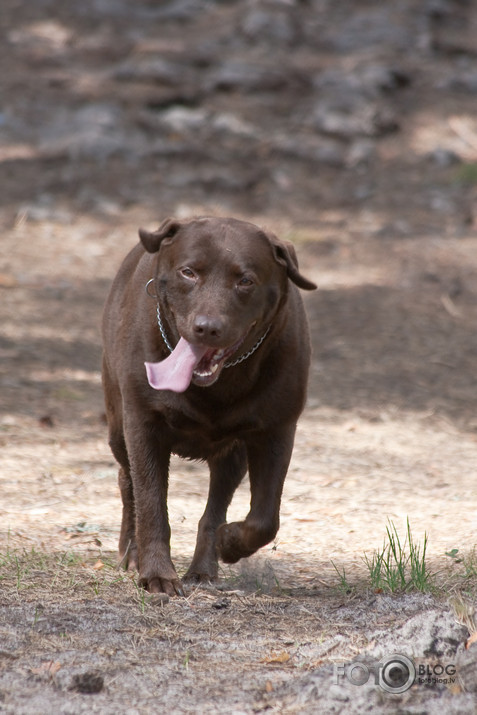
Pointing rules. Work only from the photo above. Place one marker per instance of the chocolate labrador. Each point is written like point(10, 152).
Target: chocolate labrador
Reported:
point(206, 355)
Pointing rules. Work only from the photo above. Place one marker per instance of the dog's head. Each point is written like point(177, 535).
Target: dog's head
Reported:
point(220, 282)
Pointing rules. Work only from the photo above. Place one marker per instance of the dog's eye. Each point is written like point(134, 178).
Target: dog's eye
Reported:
point(187, 273)
point(245, 282)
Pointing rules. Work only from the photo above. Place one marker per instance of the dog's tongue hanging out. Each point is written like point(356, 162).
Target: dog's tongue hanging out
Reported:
point(175, 372)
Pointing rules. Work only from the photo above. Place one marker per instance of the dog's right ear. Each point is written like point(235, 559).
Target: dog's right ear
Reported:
point(152, 240)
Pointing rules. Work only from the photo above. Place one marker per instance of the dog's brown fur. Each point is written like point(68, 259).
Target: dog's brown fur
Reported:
point(216, 280)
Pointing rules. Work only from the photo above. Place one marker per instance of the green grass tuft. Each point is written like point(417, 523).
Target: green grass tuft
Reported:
point(400, 566)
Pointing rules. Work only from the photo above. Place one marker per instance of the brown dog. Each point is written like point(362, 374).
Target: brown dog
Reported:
point(215, 369)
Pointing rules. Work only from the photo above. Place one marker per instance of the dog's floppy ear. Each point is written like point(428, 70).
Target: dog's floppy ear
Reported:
point(285, 255)
point(152, 240)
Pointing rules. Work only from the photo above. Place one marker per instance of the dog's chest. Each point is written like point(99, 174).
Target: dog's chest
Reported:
point(201, 436)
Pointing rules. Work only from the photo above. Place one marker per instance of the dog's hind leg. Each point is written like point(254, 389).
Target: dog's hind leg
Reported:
point(128, 557)
point(127, 539)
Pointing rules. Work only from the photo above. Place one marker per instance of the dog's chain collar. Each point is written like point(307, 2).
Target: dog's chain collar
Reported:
point(227, 364)
point(250, 352)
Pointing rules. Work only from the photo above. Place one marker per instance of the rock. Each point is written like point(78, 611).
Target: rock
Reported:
point(466, 668)
point(381, 25)
point(150, 69)
point(233, 75)
point(276, 25)
point(232, 124)
point(361, 151)
point(180, 10)
point(444, 157)
point(434, 633)
point(366, 82)
point(88, 682)
point(317, 149)
point(183, 119)
point(213, 178)
point(438, 9)
point(364, 119)
point(383, 79)
point(351, 104)
point(464, 81)
point(95, 131)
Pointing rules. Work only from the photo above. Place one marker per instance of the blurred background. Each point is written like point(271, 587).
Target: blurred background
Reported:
point(348, 127)
point(272, 107)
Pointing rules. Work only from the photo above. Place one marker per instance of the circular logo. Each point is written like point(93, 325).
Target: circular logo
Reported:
point(358, 674)
point(397, 673)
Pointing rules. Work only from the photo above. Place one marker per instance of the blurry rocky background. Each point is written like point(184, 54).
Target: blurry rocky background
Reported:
point(292, 107)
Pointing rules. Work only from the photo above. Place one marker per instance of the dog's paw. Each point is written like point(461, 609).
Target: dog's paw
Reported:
point(195, 578)
point(230, 542)
point(156, 584)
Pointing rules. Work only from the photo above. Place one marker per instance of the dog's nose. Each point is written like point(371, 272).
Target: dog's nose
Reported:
point(208, 328)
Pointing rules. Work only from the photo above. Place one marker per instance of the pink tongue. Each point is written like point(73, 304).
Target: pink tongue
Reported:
point(175, 372)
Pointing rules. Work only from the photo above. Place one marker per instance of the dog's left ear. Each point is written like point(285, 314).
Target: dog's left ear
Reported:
point(285, 255)
point(152, 240)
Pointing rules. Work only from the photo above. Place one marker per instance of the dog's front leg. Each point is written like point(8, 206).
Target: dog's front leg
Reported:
point(226, 473)
point(268, 459)
point(149, 457)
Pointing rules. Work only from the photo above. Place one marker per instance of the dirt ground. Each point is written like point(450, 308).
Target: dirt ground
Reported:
point(348, 128)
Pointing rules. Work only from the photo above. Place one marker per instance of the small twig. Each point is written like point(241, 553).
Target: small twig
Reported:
point(330, 648)
point(450, 306)
point(125, 555)
point(444, 364)
point(323, 583)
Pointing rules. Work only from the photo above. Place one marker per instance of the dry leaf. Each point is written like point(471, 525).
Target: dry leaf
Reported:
point(98, 565)
point(304, 519)
point(51, 667)
point(7, 281)
point(316, 664)
point(269, 686)
point(282, 657)
point(472, 639)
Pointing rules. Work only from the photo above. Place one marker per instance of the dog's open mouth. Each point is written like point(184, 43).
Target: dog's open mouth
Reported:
point(210, 365)
point(188, 363)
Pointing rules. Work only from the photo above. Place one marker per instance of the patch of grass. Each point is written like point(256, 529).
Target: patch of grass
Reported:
point(57, 574)
point(229, 579)
point(143, 597)
point(465, 575)
point(464, 611)
point(469, 564)
point(467, 174)
point(420, 575)
point(21, 566)
point(400, 566)
point(344, 586)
